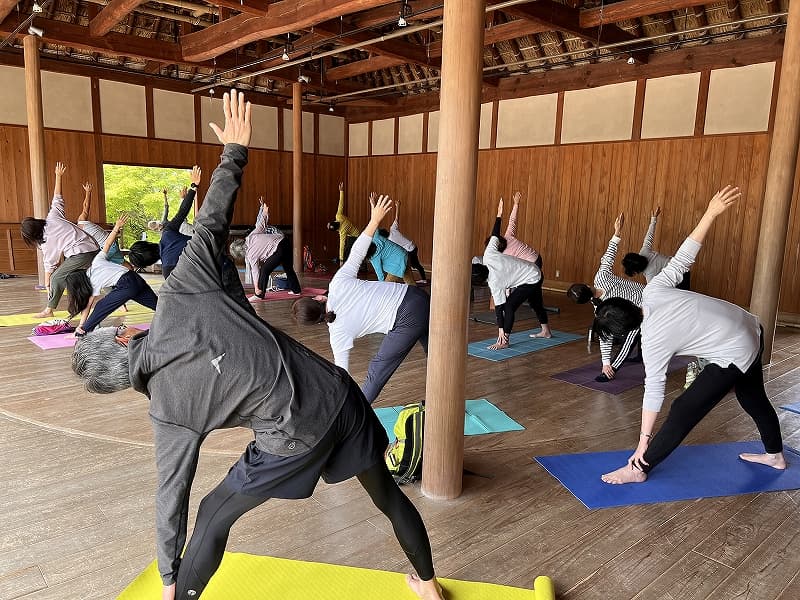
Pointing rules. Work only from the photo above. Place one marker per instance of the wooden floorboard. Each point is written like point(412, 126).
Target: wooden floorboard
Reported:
point(77, 512)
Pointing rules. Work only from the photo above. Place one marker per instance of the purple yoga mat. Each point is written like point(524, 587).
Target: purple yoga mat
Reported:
point(629, 376)
point(64, 340)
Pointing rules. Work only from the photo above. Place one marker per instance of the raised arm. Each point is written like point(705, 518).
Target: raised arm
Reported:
point(87, 202)
point(112, 237)
point(380, 209)
point(60, 170)
point(195, 178)
point(187, 200)
point(610, 255)
point(647, 244)
point(340, 207)
point(511, 228)
point(396, 222)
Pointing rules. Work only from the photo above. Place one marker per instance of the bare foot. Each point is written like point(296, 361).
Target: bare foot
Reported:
point(426, 590)
point(542, 334)
point(47, 312)
point(497, 346)
point(626, 474)
point(776, 461)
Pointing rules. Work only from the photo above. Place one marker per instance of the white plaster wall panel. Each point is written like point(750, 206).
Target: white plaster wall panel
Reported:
point(288, 125)
point(122, 108)
point(67, 101)
point(308, 132)
point(433, 131)
point(210, 112)
point(173, 116)
point(670, 106)
point(599, 114)
point(331, 135)
point(409, 134)
point(485, 132)
point(383, 137)
point(739, 99)
point(265, 127)
point(527, 121)
point(12, 100)
point(358, 138)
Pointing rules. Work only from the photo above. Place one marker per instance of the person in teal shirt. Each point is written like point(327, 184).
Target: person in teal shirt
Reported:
point(389, 260)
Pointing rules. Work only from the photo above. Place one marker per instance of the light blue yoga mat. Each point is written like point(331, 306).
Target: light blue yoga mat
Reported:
point(690, 472)
point(794, 407)
point(520, 344)
point(481, 417)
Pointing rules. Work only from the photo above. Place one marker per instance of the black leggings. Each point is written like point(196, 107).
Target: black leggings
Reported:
point(220, 509)
point(413, 261)
point(282, 256)
point(530, 292)
point(710, 387)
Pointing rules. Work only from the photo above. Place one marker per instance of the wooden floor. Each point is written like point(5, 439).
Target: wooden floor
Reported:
point(78, 477)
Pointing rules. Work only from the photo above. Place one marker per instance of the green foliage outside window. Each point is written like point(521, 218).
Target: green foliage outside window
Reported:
point(136, 191)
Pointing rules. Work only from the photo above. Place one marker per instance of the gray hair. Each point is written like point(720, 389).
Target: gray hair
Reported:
point(101, 361)
point(237, 249)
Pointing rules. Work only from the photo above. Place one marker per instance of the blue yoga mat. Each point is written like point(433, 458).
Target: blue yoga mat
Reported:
point(794, 407)
point(521, 343)
point(481, 417)
point(689, 473)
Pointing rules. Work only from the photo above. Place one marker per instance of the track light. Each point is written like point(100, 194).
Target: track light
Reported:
point(37, 31)
point(631, 60)
point(285, 54)
point(287, 47)
point(304, 79)
point(330, 107)
point(405, 12)
point(36, 8)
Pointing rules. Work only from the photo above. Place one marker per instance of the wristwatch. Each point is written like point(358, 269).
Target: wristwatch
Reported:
point(193, 186)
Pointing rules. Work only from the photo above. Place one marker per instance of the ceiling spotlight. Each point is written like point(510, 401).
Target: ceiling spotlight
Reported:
point(330, 107)
point(36, 8)
point(285, 54)
point(37, 31)
point(631, 60)
point(287, 47)
point(304, 79)
point(211, 92)
point(405, 12)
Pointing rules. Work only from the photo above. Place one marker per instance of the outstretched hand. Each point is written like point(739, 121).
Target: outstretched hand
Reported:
point(61, 168)
point(237, 120)
point(341, 186)
point(517, 197)
point(380, 208)
point(121, 221)
point(261, 200)
point(500, 207)
point(195, 176)
point(656, 212)
point(87, 187)
point(373, 197)
point(723, 200)
point(618, 223)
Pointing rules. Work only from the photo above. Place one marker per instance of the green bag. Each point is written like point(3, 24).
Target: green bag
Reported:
point(404, 456)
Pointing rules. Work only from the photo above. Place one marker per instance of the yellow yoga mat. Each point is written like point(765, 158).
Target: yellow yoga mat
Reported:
point(248, 577)
point(134, 310)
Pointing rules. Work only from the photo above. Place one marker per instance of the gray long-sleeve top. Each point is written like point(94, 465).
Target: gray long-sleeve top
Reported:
point(209, 362)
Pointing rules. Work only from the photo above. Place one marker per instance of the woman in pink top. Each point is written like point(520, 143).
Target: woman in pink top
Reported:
point(65, 246)
point(266, 248)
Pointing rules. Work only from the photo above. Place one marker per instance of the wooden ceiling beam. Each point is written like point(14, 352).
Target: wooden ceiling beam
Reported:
point(284, 16)
point(397, 49)
point(6, 6)
point(388, 13)
point(250, 7)
point(112, 15)
point(359, 67)
point(631, 9)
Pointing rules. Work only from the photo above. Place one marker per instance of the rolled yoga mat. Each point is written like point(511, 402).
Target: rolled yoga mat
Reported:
point(629, 376)
point(690, 472)
point(249, 577)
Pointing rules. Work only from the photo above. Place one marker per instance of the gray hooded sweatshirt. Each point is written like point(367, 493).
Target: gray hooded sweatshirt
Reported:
point(209, 362)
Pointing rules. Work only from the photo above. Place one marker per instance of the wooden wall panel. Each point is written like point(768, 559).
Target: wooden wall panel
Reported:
point(572, 194)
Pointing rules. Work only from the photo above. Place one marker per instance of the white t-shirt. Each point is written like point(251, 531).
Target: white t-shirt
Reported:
point(399, 239)
point(691, 324)
point(103, 273)
point(507, 271)
point(361, 307)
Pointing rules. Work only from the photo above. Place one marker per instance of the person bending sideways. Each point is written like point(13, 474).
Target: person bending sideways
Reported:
point(389, 260)
point(648, 261)
point(65, 246)
point(266, 248)
point(347, 231)
point(608, 285)
point(172, 240)
point(85, 287)
point(355, 308)
point(406, 244)
point(93, 229)
point(675, 321)
point(209, 362)
point(506, 272)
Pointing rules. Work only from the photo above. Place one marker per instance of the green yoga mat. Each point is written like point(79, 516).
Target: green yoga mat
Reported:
point(481, 417)
point(248, 577)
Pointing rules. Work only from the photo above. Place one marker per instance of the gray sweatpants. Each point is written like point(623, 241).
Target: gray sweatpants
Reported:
point(410, 327)
point(58, 278)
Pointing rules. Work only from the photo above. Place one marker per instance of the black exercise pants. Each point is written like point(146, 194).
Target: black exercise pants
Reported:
point(283, 257)
point(413, 261)
point(530, 293)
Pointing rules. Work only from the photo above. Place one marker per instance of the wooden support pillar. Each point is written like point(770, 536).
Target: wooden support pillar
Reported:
point(454, 214)
point(781, 174)
point(33, 102)
point(297, 176)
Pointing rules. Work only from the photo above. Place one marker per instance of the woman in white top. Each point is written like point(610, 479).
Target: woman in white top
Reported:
point(85, 287)
point(355, 308)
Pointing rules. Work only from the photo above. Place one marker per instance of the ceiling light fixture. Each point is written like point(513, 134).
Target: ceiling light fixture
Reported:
point(405, 12)
point(36, 8)
point(330, 107)
point(304, 79)
point(287, 47)
point(631, 60)
point(37, 31)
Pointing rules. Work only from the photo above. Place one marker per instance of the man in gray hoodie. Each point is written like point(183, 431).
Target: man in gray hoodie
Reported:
point(209, 362)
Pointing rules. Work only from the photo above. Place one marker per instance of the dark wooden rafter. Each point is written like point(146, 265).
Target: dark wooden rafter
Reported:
point(429, 9)
point(112, 14)
point(6, 6)
point(397, 49)
point(250, 7)
point(630, 9)
point(284, 16)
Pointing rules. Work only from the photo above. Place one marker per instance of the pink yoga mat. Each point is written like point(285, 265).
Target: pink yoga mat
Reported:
point(64, 340)
point(285, 295)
